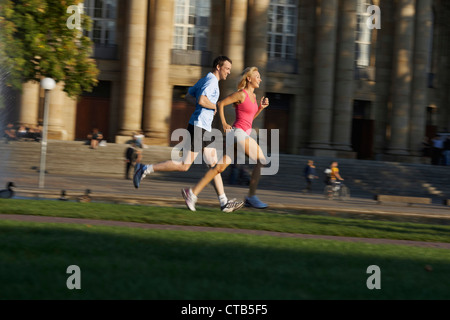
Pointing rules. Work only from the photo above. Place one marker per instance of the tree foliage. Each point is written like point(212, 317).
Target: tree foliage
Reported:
point(36, 42)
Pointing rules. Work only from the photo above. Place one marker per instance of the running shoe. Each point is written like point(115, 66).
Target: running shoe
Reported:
point(189, 198)
point(139, 174)
point(232, 205)
point(255, 203)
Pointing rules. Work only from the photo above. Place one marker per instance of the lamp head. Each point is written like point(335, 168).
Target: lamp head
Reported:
point(48, 83)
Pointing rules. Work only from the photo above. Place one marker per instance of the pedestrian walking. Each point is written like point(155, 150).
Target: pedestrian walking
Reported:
point(132, 157)
point(309, 173)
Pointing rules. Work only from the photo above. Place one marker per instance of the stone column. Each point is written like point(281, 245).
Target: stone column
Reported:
point(234, 48)
point(70, 116)
point(133, 65)
point(56, 129)
point(29, 104)
point(327, 12)
point(385, 43)
point(158, 99)
point(256, 54)
point(343, 108)
point(419, 95)
point(235, 35)
point(299, 132)
point(402, 76)
point(442, 63)
point(216, 31)
point(114, 110)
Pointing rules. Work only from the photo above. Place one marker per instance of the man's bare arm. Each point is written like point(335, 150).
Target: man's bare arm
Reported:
point(203, 101)
point(206, 103)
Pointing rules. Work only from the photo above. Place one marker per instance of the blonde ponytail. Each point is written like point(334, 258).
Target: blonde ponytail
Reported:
point(244, 75)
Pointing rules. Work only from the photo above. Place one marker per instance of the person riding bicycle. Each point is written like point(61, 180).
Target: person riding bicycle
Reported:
point(334, 188)
point(333, 174)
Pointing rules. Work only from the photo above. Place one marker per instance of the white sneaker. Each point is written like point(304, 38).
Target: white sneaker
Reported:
point(255, 203)
point(232, 205)
point(189, 199)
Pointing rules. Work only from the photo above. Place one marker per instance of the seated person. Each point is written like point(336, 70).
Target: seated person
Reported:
point(22, 132)
point(95, 137)
point(34, 132)
point(10, 133)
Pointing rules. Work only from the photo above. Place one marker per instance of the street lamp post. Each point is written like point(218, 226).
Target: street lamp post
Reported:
point(47, 84)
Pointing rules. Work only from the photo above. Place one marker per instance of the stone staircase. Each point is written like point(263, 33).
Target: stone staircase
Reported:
point(365, 178)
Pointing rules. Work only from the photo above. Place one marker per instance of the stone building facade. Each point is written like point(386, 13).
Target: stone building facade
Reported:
point(343, 81)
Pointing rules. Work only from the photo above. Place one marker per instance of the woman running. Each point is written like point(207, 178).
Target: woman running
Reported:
point(247, 109)
point(204, 94)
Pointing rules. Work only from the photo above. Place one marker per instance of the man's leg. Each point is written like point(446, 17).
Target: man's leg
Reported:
point(210, 158)
point(169, 165)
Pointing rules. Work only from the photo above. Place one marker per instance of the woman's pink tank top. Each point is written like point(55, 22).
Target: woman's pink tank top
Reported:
point(245, 113)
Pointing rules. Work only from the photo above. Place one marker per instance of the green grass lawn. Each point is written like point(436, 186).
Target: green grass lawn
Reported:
point(131, 263)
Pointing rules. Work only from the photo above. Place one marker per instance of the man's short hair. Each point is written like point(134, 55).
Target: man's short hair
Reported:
point(220, 60)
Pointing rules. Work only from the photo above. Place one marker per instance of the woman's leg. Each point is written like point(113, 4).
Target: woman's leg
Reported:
point(256, 174)
point(210, 159)
point(210, 174)
point(214, 173)
point(219, 167)
point(254, 152)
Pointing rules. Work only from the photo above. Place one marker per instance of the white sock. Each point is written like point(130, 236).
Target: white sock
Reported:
point(192, 194)
point(149, 169)
point(223, 199)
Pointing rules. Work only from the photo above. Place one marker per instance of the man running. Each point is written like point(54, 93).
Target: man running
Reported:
point(205, 93)
point(246, 109)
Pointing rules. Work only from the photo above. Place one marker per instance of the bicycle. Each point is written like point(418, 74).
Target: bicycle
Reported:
point(336, 190)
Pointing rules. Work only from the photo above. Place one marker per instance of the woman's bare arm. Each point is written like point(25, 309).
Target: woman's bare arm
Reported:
point(236, 97)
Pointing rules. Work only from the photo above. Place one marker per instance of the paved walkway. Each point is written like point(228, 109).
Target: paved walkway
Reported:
point(157, 192)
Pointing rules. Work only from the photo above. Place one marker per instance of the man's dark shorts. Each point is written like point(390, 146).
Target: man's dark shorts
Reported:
point(197, 143)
